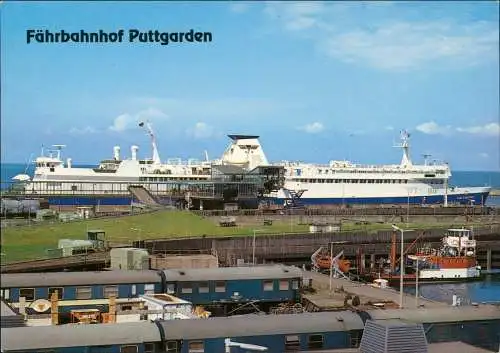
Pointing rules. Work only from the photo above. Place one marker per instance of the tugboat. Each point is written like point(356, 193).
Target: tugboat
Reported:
point(454, 261)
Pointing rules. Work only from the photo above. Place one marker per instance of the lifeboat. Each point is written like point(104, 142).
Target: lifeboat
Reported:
point(324, 262)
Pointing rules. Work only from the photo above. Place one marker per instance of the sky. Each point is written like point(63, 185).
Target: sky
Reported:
point(317, 81)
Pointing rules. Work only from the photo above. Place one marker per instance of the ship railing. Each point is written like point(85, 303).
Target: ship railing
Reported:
point(347, 166)
point(338, 170)
point(189, 162)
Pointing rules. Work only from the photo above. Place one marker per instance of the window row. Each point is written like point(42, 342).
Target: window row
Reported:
point(292, 344)
point(353, 181)
point(370, 171)
point(160, 179)
point(83, 292)
point(220, 286)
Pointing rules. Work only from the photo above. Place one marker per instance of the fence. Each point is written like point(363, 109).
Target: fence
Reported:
point(359, 211)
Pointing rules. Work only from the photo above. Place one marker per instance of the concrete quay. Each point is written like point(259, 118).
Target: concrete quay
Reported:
point(323, 300)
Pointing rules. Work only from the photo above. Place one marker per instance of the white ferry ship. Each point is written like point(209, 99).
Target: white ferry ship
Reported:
point(342, 182)
point(338, 182)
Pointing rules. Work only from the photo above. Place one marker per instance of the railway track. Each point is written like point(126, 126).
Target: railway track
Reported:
point(69, 262)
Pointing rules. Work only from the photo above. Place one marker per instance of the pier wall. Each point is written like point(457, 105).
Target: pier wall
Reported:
point(381, 219)
point(360, 210)
point(287, 247)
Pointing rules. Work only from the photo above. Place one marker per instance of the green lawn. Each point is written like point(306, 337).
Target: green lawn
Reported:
point(31, 242)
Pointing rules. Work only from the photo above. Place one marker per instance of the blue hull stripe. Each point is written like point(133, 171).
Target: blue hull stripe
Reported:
point(89, 201)
point(478, 198)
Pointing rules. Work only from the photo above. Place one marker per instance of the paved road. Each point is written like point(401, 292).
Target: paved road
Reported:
point(365, 292)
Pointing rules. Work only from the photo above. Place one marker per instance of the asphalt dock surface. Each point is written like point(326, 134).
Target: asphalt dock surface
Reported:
point(323, 299)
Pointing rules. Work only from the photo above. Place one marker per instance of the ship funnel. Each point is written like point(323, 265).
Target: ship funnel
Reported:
point(116, 153)
point(134, 150)
point(68, 162)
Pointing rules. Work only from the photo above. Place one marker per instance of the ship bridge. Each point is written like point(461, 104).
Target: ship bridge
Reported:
point(245, 151)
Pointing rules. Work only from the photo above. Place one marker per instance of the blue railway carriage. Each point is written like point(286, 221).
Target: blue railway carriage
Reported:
point(227, 288)
point(78, 288)
point(133, 337)
point(279, 333)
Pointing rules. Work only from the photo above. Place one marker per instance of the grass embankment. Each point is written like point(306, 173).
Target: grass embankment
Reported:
point(31, 242)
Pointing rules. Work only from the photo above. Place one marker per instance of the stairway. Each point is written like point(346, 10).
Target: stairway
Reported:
point(142, 195)
point(9, 317)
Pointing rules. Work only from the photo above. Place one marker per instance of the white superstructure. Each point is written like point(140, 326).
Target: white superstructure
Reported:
point(455, 259)
point(346, 182)
point(52, 175)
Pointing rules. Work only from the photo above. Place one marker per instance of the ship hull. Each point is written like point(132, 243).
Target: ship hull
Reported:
point(442, 269)
point(407, 280)
point(112, 200)
point(394, 280)
point(478, 198)
point(71, 200)
point(120, 201)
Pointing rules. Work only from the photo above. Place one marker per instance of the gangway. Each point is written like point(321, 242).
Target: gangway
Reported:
point(142, 195)
point(294, 197)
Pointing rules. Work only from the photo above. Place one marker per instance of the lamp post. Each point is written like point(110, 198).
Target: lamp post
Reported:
point(331, 266)
point(401, 266)
point(416, 286)
point(253, 246)
point(408, 207)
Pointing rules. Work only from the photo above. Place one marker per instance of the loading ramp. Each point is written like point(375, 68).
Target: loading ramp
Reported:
point(143, 195)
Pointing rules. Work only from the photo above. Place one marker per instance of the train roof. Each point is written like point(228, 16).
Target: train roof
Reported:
point(74, 335)
point(439, 315)
point(71, 335)
point(233, 273)
point(54, 279)
point(255, 325)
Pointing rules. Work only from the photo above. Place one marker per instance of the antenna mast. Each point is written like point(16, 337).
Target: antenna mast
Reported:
point(426, 158)
point(405, 145)
point(58, 149)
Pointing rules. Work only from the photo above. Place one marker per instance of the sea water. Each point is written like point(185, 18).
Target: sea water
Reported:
point(485, 291)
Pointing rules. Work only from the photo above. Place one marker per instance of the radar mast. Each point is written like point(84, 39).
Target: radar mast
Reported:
point(405, 145)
